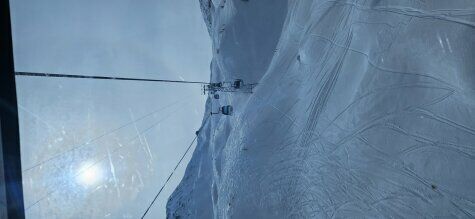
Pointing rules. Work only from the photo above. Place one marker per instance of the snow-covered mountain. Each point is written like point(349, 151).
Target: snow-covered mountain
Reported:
point(364, 108)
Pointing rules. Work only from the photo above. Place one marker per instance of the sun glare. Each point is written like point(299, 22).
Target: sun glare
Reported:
point(89, 174)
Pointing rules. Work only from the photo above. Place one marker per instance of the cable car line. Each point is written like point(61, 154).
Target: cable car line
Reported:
point(54, 75)
point(98, 161)
point(211, 88)
point(103, 135)
point(171, 174)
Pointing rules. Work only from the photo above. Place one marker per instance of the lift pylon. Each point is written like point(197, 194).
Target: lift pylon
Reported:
point(236, 86)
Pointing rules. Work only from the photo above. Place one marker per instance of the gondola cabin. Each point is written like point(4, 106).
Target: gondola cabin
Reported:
point(237, 83)
point(227, 110)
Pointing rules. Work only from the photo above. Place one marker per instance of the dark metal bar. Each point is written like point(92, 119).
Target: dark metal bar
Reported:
point(53, 75)
point(9, 128)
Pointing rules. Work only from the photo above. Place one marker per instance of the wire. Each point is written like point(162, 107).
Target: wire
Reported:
point(54, 75)
point(103, 135)
point(171, 174)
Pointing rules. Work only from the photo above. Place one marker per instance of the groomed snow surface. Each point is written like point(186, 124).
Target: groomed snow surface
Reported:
point(364, 108)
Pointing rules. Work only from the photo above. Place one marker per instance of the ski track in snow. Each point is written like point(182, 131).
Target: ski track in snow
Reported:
point(364, 108)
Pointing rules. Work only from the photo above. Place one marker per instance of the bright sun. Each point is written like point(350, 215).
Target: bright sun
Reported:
point(90, 174)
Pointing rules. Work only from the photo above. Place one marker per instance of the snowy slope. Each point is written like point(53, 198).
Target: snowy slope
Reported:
point(364, 109)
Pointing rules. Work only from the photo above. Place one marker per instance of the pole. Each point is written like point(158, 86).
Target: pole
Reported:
point(11, 191)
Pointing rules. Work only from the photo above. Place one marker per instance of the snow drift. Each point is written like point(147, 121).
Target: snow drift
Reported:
point(364, 108)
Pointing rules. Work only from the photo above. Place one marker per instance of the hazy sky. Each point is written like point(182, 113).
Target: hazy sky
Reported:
point(159, 39)
point(165, 37)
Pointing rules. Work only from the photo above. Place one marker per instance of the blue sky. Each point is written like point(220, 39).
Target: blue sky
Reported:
point(155, 39)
